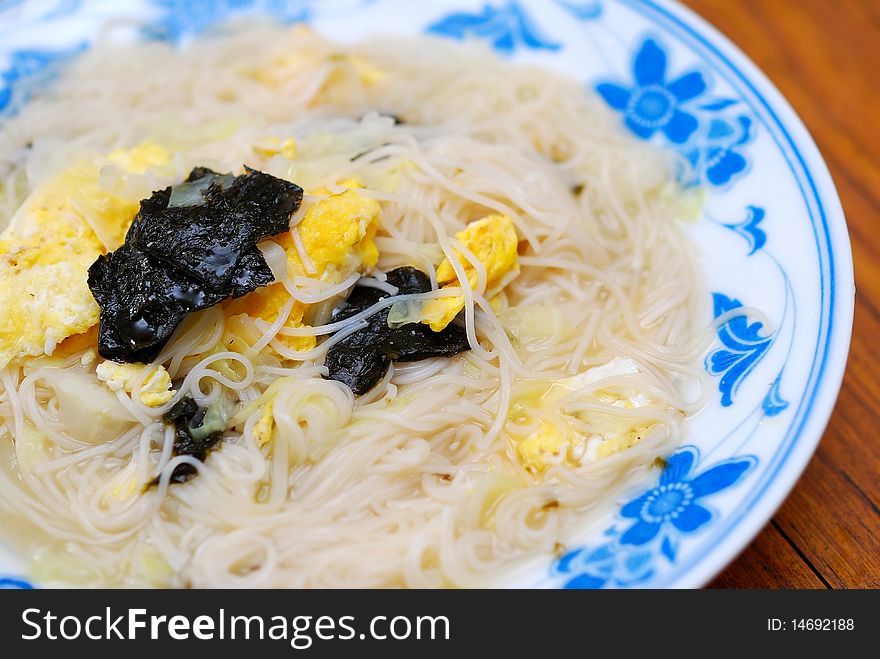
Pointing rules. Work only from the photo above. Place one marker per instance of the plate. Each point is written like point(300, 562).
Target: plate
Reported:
point(772, 237)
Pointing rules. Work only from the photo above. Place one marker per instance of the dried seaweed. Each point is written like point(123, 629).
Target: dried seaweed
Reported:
point(361, 359)
point(207, 241)
point(181, 258)
point(188, 419)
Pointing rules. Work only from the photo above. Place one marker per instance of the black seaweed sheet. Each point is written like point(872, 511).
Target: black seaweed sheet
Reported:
point(186, 414)
point(361, 359)
point(180, 259)
point(207, 241)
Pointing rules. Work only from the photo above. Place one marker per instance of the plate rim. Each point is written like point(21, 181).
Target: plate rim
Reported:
point(798, 443)
point(804, 442)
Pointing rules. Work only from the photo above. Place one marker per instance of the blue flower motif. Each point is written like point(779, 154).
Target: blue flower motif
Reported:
point(717, 157)
point(604, 566)
point(675, 504)
point(8, 583)
point(5, 92)
point(182, 18)
point(505, 28)
point(743, 348)
point(34, 13)
point(593, 569)
point(652, 526)
point(27, 68)
point(585, 11)
point(654, 103)
point(749, 228)
point(290, 11)
point(773, 402)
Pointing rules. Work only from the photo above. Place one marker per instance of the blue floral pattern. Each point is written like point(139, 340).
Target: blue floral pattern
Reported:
point(14, 583)
point(702, 130)
point(773, 402)
point(654, 103)
point(717, 157)
point(509, 27)
point(26, 69)
point(676, 501)
point(49, 10)
point(587, 10)
point(708, 119)
point(652, 524)
point(750, 228)
point(744, 346)
point(182, 18)
point(605, 566)
point(506, 28)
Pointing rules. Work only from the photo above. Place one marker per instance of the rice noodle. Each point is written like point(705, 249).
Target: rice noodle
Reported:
point(419, 482)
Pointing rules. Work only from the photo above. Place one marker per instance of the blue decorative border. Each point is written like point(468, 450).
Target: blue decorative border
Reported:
point(708, 132)
point(509, 27)
point(517, 31)
point(656, 104)
point(787, 146)
point(652, 525)
point(184, 18)
point(15, 583)
point(506, 28)
point(744, 346)
point(26, 69)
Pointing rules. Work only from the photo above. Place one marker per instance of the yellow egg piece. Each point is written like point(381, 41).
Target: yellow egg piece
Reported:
point(493, 241)
point(336, 235)
point(43, 290)
point(274, 146)
point(556, 441)
point(48, 247)
point(155, 390)
point(265, 425)
point(146, 155)
point(265, 303)
point(548, 445)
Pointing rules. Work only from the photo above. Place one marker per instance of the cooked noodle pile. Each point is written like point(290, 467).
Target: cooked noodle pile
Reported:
point(424, 480)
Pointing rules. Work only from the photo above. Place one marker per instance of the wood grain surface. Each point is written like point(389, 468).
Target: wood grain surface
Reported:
point(824, 55)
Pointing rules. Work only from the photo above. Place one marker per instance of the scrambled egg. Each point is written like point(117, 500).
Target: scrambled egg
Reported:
point(40, 294)
point(544, 434)
point(264, 428)
point(121, 485)
point(265, 425)
point(146, 155)
point(493, 241)
point(349, 74)
point(274, 146)
point(155, 390)
point(547, 445)
point(344, 73)
point(48, 247)
point(337, 236)
point(265, 303)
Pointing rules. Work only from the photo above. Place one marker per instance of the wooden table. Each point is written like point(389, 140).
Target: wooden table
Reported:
point(824, 55)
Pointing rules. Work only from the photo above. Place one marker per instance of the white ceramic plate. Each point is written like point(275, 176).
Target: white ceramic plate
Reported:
point(773, 235)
